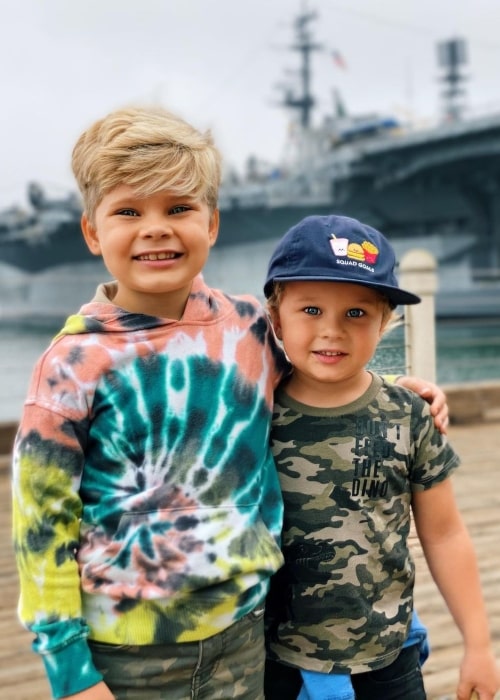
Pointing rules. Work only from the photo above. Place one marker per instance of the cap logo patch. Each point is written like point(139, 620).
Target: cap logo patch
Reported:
point(364, 254)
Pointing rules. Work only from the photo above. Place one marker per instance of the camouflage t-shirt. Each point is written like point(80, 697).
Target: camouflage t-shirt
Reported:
point(344, 598)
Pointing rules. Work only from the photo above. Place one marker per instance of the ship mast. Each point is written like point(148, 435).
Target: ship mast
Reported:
point(452, 55)
point(304, 102)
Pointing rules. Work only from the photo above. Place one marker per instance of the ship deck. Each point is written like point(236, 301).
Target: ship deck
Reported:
point(477, 485)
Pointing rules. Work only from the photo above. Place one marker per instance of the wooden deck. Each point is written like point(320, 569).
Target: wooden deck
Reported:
point(477, 486)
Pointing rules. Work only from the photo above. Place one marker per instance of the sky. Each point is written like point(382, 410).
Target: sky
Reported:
point(221, 64)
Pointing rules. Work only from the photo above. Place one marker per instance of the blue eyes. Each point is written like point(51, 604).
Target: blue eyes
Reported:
point(178, 209)
point(316, 311)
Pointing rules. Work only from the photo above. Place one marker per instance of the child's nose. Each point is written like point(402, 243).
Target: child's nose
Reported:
point(331, 327)
point(156, 228)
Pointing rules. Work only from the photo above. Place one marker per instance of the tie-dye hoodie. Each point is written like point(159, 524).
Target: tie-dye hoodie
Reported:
point(147, 508)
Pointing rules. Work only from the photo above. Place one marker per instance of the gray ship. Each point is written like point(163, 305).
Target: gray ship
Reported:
point(434, 188)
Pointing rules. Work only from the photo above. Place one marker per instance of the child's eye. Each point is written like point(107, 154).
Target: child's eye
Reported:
point(127, 212)
point(355, 313)
point(179, 208)
point(312, 310)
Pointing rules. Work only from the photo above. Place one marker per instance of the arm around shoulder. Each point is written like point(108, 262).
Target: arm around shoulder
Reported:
point(434, 396)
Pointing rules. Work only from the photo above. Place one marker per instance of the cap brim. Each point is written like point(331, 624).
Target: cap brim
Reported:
point(395, 295)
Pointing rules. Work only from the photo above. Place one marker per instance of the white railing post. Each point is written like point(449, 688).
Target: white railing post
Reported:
point(418, 274)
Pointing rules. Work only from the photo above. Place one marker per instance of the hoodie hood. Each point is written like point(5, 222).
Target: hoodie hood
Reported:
point(101, 315)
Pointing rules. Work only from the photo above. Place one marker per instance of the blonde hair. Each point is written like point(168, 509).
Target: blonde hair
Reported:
point(149, 149)
point(390, 318)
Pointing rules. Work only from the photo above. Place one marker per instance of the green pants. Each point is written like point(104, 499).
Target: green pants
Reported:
point(227, 665)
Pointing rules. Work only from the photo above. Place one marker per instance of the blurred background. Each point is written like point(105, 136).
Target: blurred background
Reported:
point(388, 112)
point(220, 64)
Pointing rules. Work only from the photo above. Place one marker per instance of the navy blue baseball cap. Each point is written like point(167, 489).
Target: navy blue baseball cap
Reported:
point(337, 249)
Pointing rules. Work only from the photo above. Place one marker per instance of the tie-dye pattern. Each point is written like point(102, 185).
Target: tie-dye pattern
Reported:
point(146, 501)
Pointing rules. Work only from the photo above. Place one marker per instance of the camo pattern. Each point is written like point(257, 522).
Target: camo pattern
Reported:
point(228, 665)
point(344, 598)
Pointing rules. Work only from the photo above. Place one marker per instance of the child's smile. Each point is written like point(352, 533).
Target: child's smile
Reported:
point(153, 246)
point(330, 332)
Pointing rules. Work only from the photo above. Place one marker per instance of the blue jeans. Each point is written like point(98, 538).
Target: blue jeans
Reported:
point(228, 665)
point(401, 680)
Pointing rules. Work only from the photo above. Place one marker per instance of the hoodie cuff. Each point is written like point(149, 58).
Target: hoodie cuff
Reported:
point(67, 657)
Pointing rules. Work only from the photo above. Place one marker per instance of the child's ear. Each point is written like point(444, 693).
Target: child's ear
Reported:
point(275, 321)
point(213, 228)
point(90, 235)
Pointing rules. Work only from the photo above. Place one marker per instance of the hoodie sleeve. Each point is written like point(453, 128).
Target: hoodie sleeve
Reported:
point(47, 465)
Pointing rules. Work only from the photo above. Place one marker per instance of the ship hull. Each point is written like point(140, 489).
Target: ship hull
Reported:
point(434, 187)
point(65, 245)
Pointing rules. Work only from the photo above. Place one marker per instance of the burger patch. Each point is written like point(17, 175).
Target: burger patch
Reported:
point(362, 252)
point(355, 251)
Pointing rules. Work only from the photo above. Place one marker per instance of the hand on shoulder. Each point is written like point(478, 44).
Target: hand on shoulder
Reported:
point(434, 396)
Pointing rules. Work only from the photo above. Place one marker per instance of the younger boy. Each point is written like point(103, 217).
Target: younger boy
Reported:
point(356, 456)
point(147, 509)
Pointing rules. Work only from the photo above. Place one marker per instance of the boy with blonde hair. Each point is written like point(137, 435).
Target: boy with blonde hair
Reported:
point(147, 508)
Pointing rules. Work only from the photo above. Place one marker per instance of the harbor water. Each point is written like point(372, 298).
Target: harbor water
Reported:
point(467, 351)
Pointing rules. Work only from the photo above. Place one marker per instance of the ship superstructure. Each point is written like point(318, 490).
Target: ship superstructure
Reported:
point(434, 187)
